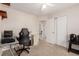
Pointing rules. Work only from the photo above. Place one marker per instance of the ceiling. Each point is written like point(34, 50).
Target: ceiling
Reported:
point(35, 8)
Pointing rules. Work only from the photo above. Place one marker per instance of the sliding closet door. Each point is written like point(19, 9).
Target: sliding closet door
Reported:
point(62, 31)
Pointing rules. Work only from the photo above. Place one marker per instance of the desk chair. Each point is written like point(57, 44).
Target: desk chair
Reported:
point(24, 40)
point(74, 39)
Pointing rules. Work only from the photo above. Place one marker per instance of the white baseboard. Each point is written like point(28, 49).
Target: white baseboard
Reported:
point(52, 42)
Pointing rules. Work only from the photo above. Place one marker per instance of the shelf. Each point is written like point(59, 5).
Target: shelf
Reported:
point(3, 14)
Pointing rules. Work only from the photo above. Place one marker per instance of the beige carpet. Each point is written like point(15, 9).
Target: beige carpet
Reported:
point(47, 49)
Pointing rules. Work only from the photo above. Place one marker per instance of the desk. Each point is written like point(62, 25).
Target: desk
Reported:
point(7, 46)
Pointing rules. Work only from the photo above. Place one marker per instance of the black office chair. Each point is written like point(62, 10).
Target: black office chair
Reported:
point(7, 37)
point(24, 40)
point(74, 39)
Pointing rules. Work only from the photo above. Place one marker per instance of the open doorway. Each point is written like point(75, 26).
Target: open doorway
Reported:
point(42, 30)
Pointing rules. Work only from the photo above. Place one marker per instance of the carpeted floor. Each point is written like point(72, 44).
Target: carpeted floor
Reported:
point(43, 49)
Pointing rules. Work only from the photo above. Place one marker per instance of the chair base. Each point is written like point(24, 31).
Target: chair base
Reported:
point(70, 49)
point(74, 51)
point(21, 50)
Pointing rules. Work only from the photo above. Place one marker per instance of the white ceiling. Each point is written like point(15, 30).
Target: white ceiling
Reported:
point(35, 8)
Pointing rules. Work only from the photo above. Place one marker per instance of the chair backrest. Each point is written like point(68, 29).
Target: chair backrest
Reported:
point(73, 37)
point(24, 37)
point(24, 32)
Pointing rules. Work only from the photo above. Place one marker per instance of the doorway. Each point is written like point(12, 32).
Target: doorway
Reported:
point(42, 30)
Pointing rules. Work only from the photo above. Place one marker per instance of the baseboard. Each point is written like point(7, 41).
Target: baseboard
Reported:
point(52, 42)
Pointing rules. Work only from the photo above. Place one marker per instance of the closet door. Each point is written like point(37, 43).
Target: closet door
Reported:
point(62, 31)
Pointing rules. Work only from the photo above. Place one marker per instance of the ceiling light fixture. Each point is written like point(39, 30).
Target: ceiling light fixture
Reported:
point(47, 4)
point(44, 6)
point(51, 5)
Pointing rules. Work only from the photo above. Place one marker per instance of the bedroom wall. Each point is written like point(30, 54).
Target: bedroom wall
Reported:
point(17, 20)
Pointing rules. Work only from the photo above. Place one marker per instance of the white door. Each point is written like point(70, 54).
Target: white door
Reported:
point(61, 31)
point(50, 30)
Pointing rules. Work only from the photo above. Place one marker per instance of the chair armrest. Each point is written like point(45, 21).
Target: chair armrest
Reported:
point(17, 38)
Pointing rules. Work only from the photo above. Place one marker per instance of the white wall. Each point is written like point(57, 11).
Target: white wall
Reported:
point(17, 20)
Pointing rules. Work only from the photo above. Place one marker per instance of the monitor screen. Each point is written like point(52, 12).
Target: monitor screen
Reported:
point(8, 33)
